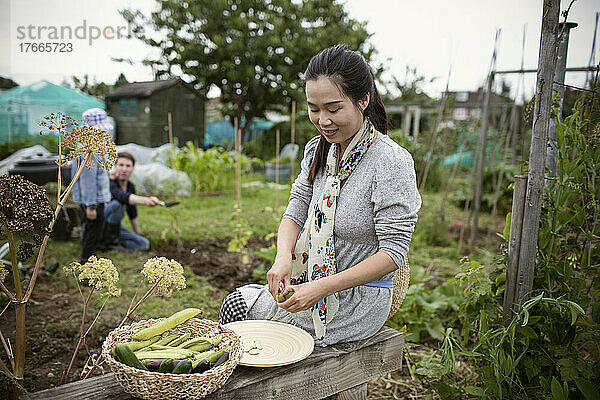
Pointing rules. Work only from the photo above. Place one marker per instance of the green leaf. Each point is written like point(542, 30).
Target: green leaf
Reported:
point(483, 326)
point(544, 383)
point(528, 331)
point(471, 353)
point(544, 238)
point(447, 392)
point(506, 230)
point(596, 312)
point(589, 391)
point(475, 391)
point(556, 390)
point(573, 315)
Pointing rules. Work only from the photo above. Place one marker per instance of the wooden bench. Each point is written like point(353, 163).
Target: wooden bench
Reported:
point(335, 372)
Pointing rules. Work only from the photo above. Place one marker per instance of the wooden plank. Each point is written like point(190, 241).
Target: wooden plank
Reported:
point(328, 371)
point(356, 393)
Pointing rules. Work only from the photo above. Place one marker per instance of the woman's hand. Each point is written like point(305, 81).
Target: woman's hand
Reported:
point(281, 271)
point(305, 296)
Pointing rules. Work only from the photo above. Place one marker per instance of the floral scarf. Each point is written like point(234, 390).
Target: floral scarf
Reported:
point(314, 255)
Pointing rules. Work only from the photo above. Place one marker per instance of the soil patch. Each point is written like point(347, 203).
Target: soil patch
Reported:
point(54, 314)
point(52, 323)
point(211, 260)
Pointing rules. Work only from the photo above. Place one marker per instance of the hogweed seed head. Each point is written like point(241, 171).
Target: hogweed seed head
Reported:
point(100, 272)
point(98, 143)
point(57, 122)
point(24, 209)
point(168, 274)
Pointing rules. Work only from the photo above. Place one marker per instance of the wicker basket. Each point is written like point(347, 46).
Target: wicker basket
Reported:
point(161, 386)
point(401, 279)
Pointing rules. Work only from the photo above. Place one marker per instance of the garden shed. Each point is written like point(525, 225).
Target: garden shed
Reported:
point(141, 112)
point(22, 107)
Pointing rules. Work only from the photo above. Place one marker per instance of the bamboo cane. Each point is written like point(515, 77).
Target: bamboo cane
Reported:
point(277, 171)
point(238, 182)
point(169, 120)
point(293, 139)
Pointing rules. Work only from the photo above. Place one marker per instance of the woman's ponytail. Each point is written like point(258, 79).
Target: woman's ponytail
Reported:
point(375, 111)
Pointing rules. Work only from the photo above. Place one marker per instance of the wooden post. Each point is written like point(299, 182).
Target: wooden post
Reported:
point(514, 246)
point(537, 152)
point(277, 171)
point(170, 123)
point(238, 178)
point(293, 139)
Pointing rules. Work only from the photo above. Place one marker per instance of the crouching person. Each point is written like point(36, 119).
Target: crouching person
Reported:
point(124, 200)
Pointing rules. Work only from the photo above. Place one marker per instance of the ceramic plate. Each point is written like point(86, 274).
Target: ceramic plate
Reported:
point(282, 344)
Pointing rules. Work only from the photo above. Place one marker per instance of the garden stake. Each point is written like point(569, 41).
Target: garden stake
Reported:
point(238, 186)
point(292, 176)
point(169, 121)
point(277, 171)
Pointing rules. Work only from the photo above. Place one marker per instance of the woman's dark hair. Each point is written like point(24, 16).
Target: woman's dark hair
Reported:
point(350, 72)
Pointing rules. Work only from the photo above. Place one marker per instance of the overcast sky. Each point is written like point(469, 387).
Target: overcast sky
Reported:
point(430, 35)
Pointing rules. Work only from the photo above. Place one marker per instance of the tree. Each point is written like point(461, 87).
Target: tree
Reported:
point(96, 89)
point(410, 90)
point(121, 80)
point(254, 51)
point(7, 83)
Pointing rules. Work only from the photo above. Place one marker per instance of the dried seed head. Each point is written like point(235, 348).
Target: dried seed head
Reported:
point(24, 206)
point(100, 272)
point(57, 122)
point(24, 209)
point(86, 140)
point(168, 274)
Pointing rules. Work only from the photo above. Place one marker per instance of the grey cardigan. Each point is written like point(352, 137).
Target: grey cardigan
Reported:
point(376, 211)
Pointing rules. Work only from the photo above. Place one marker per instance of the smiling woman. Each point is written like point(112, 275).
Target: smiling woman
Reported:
point(350, 216)
point(333, 113)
